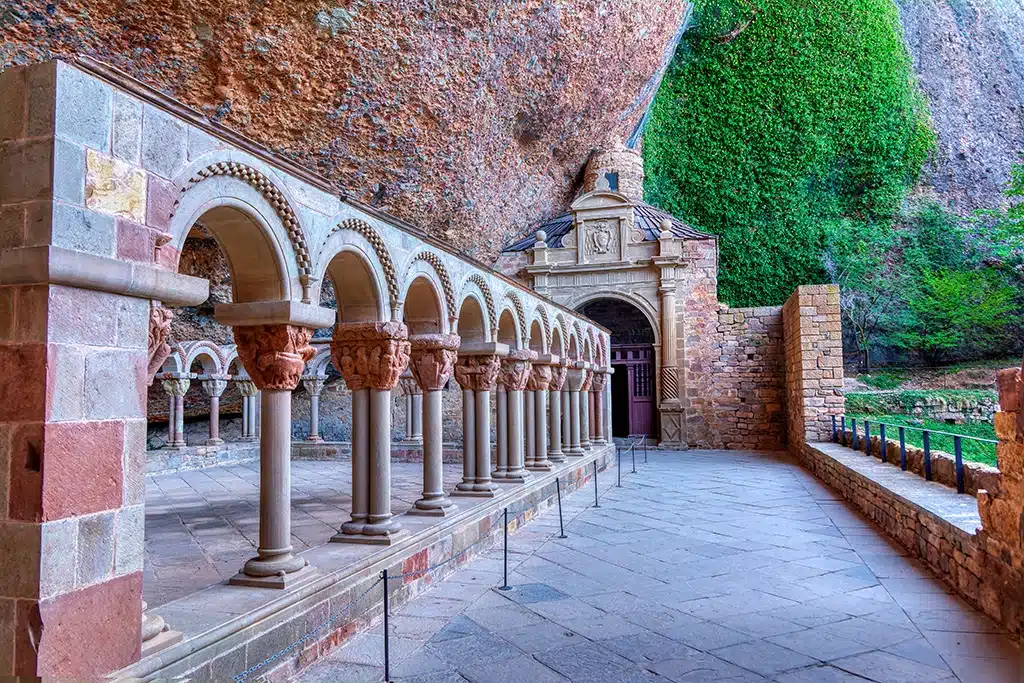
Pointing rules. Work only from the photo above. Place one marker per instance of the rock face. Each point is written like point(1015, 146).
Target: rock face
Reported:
point(969, 57)
point(470, 119)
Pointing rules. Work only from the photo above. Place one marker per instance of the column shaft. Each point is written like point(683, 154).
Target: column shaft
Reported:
point(501, 428)
point(314, 417)
point(540, 431)
point(434, 500)
point(566, 422)
point(360, 462)
point(215, 419)
point(575, 447)
point(468, 442)
point(409, 428)
point(529, 419)
point(417, 417)
point(599, 436)
point(584, 419)
point(179, 418)
point(172, 420)
point(245, 417)
point(483, 443)
point(555, 453)
point(516, 466)
point(380, 521)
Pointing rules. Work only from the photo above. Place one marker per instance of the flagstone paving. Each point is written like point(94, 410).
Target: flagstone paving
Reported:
point(721, 567)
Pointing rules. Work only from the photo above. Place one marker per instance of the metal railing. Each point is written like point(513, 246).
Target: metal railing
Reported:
point(634, 441)
point(839, 436)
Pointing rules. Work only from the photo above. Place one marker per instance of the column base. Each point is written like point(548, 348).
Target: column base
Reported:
point(575, 453)
point(279, 581)
point(363, 539)
point(557, 456)
point(161, 641)
point(516, 477)
point(214, 442)
point(314, 439)
point(543, 466)
point(475, 493)
point(445, 511)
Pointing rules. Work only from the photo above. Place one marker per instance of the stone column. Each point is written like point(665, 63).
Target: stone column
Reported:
point(566, 419)
point(585, 409)
point(574, 380)
point(248, 391)
point(558, 372)
point(178, 387)
point(417, 416)
point(539, 381)
point(530, 426)
point(274, 356)
point(501, 430)
point(314, 384)
point(515, 373)
point(371, 357)
point(172, 420)
point(214, 387)
point(597, 391)
point(477, 374)
point(432, 363)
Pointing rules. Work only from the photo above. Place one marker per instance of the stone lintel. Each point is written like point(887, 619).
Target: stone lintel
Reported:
point(483, 349)
point(547, 359)
point(58, 266)
point(274, 313)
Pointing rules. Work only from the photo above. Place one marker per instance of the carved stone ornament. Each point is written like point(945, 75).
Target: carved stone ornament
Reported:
point(246, 388)
point(515, 369)
point(574, 379)
point(433, 359)
point(274, 355)
point(601, 237)
point(478, 373)
point(540, 378)
point(408, 385)
point(371, 355)
point(159, 329)
point(558, 375)
point(214, 387)
point(588, 380)
point(598, 381)
point(314, 385)
point(176, 387)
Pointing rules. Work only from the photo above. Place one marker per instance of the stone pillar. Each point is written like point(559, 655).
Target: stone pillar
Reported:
point(417, 417)
point(274, 356)
point(314, 385)
point(477, 374)
point(515, 373)
point(558, 373)
point(585, 409)
point(178, 387)
point(213, 388)
point(371, 357)
point(248, 391)
point(538, 383)
point(501, 432)
point(530, 426)
point(432, 363)
point(597, 392)
point(172, 420)
point(566, 420)
point(574, 380)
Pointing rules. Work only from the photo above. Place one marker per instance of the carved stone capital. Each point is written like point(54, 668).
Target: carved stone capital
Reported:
point(598, 381)
point(246, 387)
point(433, 359)
point(176, 387)
point(159, 329)
point(274, 356)
point(371, 355)
point(515, 369)
point(540, 378)
point(588, 380)
point(558, 374)
point(478, 373)
point(214, 387)
point(574, 379)
point(314, 385)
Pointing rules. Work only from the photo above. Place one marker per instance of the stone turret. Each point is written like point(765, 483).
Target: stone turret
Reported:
point(619, 169)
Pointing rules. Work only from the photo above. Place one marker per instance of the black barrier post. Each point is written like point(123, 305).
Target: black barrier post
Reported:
point(387, 642)
point(903, 448)
point(632, 451)
point(958, 455)
point(596, 504)
point(505, 586)
point(882, 440)
point(645, 449)
point(561, 526)
point(926, 436)
point(618, 466)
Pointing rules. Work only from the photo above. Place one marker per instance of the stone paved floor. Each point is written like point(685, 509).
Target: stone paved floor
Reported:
point(705, 567)
point(202, 525)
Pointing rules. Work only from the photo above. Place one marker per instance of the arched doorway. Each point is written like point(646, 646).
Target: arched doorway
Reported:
point(634, 408)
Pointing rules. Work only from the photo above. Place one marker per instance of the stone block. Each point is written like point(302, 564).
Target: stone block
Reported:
point(199, 143)
point(69, 172)
point(26, 170)
point(129, 539)
point(164, 141)
point(23, 393)
point(12, 226)
point(59, 554)
point(133, 463)
point(132, 323)
point(66, 385)
point(7, 624)
point(115, 187)
point(19, 560)
point(135, 242)
point(123, 369)
point(127, 132)
point(22, 449)
point(109, 613)
point(84, 109)
point(160, 197)
point(82, 462)
point(83, 230)
point(82, 316)
point(13, 108)
point(95, 552)
point(38, 223)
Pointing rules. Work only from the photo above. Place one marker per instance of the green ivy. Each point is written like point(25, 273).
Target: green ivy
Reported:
point(806, 118)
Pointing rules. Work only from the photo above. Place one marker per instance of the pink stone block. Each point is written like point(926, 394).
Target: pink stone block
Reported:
point(82, 468)
point(135, 242)
point(23, 391)
point(160, 197)
point(25, 494)
point(1008, 383)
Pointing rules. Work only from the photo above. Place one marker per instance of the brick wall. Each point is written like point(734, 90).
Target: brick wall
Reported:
point(747, 365)
point(812, 338)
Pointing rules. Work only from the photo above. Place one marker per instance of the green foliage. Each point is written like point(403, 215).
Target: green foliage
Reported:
point(957, 309)
point(974, 451)
point(881, 380)
point(782, 124)
point(863, 402)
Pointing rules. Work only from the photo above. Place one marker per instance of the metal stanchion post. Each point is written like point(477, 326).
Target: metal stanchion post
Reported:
point(632, 451)
point(506, 587)
point(618, 466)
point(387, 642)
point(596, 504)
point(561, 526)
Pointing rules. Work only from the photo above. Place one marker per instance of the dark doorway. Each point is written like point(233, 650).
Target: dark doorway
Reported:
point(632, 356)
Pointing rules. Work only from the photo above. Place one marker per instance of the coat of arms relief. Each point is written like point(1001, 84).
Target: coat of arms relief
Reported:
point(602, 237)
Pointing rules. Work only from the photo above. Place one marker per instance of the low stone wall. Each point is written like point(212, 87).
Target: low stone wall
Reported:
point(947, 406)
point(748, 387)
point(932, 524)
point(977, 476)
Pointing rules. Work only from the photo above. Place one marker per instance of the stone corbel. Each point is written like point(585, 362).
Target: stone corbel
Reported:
point(159, 330)
point(274, 356)
point(371, 355)
point(433, 359)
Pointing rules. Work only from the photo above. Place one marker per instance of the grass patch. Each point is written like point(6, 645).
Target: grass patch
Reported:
point(889, 404)
point(881, 380)
point(973, 451)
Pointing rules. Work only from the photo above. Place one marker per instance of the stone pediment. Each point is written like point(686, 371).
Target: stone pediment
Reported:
point(601, 199)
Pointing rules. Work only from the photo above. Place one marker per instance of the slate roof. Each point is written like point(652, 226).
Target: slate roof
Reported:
point(646, 217)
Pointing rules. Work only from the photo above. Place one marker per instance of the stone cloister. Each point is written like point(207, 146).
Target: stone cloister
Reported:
point(102, 182)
